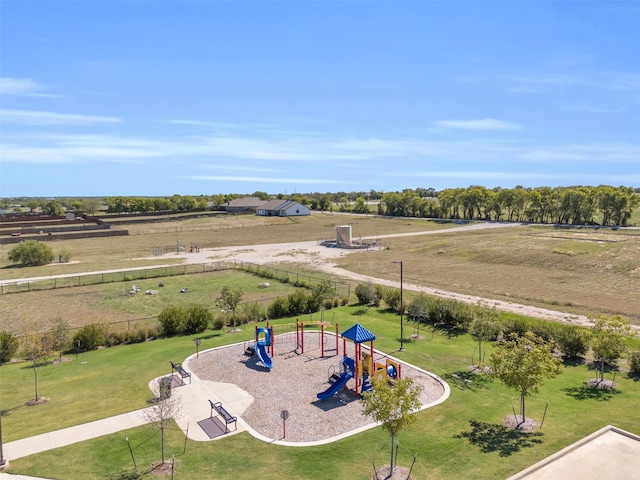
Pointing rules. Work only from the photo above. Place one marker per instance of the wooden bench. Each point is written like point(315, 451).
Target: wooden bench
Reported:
point(183, 373)
point(228, 418)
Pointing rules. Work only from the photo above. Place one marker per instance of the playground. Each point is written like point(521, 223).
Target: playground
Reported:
point(296, 376)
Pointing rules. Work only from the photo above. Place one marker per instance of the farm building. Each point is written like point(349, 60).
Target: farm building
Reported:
point(282, 208)
point(243, 205)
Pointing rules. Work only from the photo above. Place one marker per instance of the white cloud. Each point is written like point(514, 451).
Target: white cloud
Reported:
point(234, 178)
point(595, 153)
point(611, 80)
point(485, 124)
point(238, 168)
point(587, 108)
point(31, 117)
point(204, 123)
point(18, 86)
point(22, 87)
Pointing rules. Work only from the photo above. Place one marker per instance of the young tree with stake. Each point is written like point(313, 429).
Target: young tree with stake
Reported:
point(522, 363)
point(393, 405)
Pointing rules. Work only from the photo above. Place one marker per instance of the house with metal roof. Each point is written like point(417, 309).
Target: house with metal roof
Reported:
point(282, 208)
point(243, 205)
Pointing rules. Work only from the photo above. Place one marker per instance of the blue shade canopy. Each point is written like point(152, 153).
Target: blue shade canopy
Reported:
point(358, 334)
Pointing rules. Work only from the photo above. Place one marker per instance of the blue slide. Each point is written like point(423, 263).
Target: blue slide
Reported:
point(261, 350)
point(335, 388)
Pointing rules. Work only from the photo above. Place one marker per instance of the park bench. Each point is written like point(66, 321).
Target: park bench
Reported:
point(183, 373)
point(228, 418)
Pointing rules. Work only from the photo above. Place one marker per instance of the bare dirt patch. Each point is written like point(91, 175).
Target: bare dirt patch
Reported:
point(517, 423)
point(399, 473)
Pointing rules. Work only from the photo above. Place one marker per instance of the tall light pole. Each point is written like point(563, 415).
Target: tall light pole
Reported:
point(3, 461)
point(401, 349)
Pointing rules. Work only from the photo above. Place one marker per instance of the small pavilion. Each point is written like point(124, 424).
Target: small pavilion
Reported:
point(363, 363)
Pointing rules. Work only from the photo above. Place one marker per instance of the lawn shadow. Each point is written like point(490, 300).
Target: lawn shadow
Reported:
point(573, 361)
point(467, 380)
point(442, 329)
point(126, 475)
point(587, 392)
point(211, 335)
point(608, 368)
point(491, 437)
point(7, 411)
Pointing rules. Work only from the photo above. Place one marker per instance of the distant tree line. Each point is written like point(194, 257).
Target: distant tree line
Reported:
point(577, 205)
point(603, 205)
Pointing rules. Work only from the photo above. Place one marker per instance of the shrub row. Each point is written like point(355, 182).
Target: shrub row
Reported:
point(94, 335)
point(248, 312)
point(571, 340)
point(300, 301)
point(8, 346)
point(184, 321)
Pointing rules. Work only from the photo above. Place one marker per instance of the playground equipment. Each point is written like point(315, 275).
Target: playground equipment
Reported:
point(265, 339)
point(322, 339)
point(294, 333)
point(388, 370)
point(262, 344)
point(341, 381)
point(361, 366)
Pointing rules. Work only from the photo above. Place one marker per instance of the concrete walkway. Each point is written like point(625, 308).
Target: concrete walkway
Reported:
point(194, 407)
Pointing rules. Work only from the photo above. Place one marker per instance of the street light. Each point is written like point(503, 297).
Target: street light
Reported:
point(2, 459)
point(401, 349)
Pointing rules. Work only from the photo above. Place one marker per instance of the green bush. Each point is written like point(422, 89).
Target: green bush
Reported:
point(254, 312)
point(31, 253)
point(298, 300)
point(143, 333)
point(197, 320)
point(515, 325)
point(391, 297)
point(89, 337)
point(313, 304)
point(573, 341)
point(278, 308)
point(368, 294)
point(634, 364)
point(172, 321)
point(219, 322)
point(116, 337)
point(8, 346)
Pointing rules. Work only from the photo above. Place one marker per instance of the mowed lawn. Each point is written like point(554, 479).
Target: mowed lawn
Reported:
point(462, 438)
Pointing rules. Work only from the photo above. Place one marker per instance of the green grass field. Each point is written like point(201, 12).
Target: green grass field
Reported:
point(101, 383)
point(580, 271)
point(110, 302)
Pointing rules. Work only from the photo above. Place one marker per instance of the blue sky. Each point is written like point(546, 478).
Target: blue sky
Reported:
point(202, 97)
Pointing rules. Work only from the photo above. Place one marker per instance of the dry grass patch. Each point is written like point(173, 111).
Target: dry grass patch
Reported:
point(514, 265)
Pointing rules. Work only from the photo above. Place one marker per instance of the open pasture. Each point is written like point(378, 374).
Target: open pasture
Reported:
point(137, 248)
point(585, 272)
point(580, 271)
point(113, 302)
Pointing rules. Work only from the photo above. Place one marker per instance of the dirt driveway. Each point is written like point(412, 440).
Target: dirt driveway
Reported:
point(326, 259)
